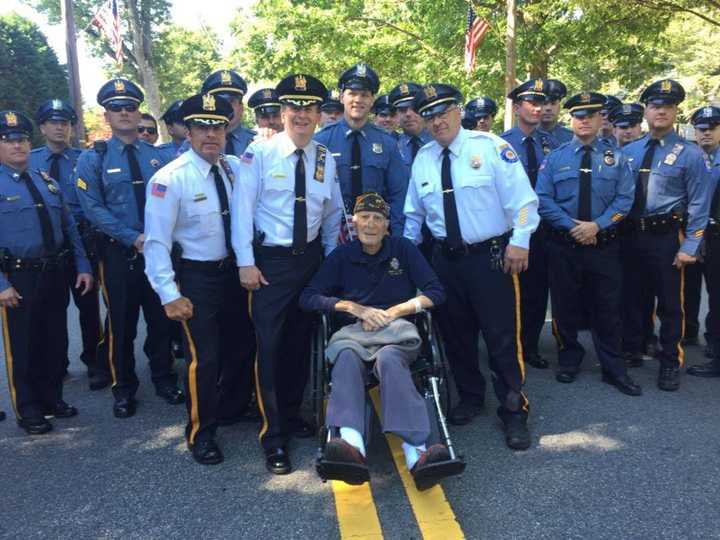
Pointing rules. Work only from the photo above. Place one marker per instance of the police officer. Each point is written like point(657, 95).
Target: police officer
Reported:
point(606, 133)
point(367, 157)
point(532, 146)
point(668, 219)
point(555, 91)
point(385, 115)
point(331, 109)
point(110, 181)
point(175, 127)
point(266, 107)
point(414, 135)
point(286, 211)
point(471, 190)
point(148, 129)
point(231, 86)
point(57, 159)
point(707, 134)
point(585, 189)
point(37, 236)
point(626, 120)
point(479, 114)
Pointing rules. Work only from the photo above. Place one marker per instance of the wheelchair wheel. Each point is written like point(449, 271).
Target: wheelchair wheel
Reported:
point(319, 372)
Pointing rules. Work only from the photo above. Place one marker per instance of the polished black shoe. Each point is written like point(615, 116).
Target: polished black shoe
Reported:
point(98, 381)
point(709, 351)
point(691, 341)
point(206, 452)
point(708, 369)
point(177, 350)
point(35, 426)
point(566, 376)
point(464, 412)
point(517, 435)
point(124, 407)
point(277, 461)
point(61, 410)
point(170, 393)
point(536, 361)
point(669, 378)
point(2, 416)
point(625, 384)
point(633, 360)
point(300, 428)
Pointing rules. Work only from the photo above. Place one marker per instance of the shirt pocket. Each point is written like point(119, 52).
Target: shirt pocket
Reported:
point(204, 220)
point(16, 217)
point(566, 184)
point(668, 180)
point(118, 188)
point(317, 194)
point(374, 167)
point(476, 189)
point(606, 185)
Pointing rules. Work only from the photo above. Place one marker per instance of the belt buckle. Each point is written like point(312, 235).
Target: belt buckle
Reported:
point(297, 252)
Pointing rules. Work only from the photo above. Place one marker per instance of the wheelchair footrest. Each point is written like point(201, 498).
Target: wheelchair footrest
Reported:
point(350, 473)
point(432, 473)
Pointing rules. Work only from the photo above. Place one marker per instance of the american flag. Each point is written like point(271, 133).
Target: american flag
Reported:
point(107, 20)
point(476, 30)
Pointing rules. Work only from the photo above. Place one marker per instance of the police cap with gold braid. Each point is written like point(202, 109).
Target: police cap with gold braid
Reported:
point(664, 92)
point(225, 82)
point(265, 101)
point(120, 92)
point(532, 90)
point(585, 104)
point(206, 109)
point(301, 90)
point(435, 98)
point(14, 125)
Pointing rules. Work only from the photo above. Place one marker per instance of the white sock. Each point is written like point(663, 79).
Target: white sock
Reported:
point(412, 454)
point(353, 436)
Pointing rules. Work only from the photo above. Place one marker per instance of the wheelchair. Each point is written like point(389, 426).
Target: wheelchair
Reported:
point(428, 372)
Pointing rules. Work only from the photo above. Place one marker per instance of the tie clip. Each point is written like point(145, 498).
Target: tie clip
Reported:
point(138, 182)
point(585, 170)
point(300, 199)
point(353, 167)
point(644, 170)
point(448, 190)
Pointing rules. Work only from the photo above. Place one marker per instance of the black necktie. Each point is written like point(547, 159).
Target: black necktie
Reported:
point(641, 186)
point(452, 223)
point(355, 168)
point(43, 214)
point(532, 164)
point(138, 181)
point(300, 212)
point(414, 146)
point(229, 146)
point(54, 171)
point(584, 199)
point(224, 207)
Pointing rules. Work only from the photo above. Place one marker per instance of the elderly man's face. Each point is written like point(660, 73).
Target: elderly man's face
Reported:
point(371, 228)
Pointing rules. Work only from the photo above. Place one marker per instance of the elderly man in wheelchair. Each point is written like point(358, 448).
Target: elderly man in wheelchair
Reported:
point(369, 288)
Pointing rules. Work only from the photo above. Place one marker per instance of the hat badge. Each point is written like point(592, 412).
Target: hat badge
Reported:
point(225, 77)
point(208, 102)
point(57, 105)
point(430, 92)
point(11, 119)
point(300, 83)
point(666, 87)
point(480, 103)
point(361, 70)
point(585, 98)
point(334, 94)
point(119, 86)
point(707, 112)
point(267, 94)
point(404, 89)
point(627, 109)
point(538, 86)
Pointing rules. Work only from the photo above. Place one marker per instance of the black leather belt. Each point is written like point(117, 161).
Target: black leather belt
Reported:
point(659, 223)
point(603, 237)
point(713, 228)
point(287, 251)
point(222, 264)
point(480, 247)
point(43, 264)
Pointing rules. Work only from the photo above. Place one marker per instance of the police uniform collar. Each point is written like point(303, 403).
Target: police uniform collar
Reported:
point(358, 255)
point(349, 131)
point(668, 138)
point(287, 146)
point(13, 173)
point(202, 164)
point(456, 145)
point(114, 141)
point(50, 153)
point(578, 144)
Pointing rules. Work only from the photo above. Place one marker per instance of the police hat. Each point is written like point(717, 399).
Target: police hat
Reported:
point(173, 113)
point(626, 115)
point(55, 109)
point(226, 82)
point(332, 101)
point(265, 101)
point(665, 92)
point(371, 202)
point(610, 103)
point(435, 98)
point(14, 125)
point(585, 104)
point(706, 117)
point(120, 92)
point(207, 109)
point(532, 90)
point(404, 94)
point(554, 89)
point(480, 107)
point(360, 77)
point(382, 105)
point(301, 90)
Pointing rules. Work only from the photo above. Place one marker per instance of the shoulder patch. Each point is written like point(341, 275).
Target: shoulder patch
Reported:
point(247, 157)
point(158, 190)
point(82, 184)
point(508, 155)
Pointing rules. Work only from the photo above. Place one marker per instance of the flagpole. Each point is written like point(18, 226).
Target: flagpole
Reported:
point(68, 16)
point(510, 61)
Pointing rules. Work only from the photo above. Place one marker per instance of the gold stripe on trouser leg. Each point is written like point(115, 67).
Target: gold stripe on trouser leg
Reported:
point(681, 350)
point(106, 297)
point(518, 328)
point(556, 333)
point(258, 393)
point(192, 383)
point(9, 362)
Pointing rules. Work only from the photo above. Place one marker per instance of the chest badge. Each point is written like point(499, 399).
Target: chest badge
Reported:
point(395, 269)
point(52, 188)
point(155, 163)
point(377, 148)
point(670, 159)
point(475, 162)
point(609, 158)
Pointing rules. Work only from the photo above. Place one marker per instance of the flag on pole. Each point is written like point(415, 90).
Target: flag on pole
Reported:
point(107, 20)
point(476, 30)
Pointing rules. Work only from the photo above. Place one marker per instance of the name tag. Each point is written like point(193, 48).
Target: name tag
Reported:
point(12, 198)
point(279, 175)
point(561, 169)
point(111, 171)
point(199, 197)
point(336, 154)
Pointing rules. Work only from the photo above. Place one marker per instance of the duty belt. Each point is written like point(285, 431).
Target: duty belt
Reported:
point(58, 261)
point(491, 244)
point(659, 223)
point(283, 250)
point(713, 228)
point(603, 237)
point(222, 264)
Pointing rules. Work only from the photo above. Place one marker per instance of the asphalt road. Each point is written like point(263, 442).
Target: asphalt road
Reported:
point(602, 465)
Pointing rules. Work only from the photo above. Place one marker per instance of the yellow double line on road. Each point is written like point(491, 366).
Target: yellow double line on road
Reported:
point(357, 514)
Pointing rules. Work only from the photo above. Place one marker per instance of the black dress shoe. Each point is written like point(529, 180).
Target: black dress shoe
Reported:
point(2, 416)
point(536, 361)
point(61, 410)
point(625, 384)
point(708, 369)
point(565, 376)
point(35, 426)
point(206, 452)
point(517, 435)
point(124, 407)
point(669, 378)
point(277, 461)
point(170, 393)
point(633, 360)
point(300, 428)
point(98, 381)
point(464, 412)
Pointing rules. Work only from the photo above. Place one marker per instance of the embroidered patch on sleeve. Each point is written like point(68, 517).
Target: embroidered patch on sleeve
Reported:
point(158, 190)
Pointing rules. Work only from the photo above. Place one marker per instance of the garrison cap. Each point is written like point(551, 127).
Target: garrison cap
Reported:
point(610, 103)
point(626, 115)
point(360, 77)
point(532, 90)
point(120, 92)
point(665, 92)
point(404, 94)
point(435, 98)
point(555, 89)
point(585, 104)
point(372, 202)
point(706, 117)
point(206, 109)
point(14, 125)
point(332, 101)
point(265, 101)
point(382, 105)
point(173, 113)
point(55, 109)
point(226, 82)
point(301, 90)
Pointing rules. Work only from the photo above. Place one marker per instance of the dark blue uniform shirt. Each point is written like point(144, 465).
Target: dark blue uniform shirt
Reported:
point(542, 142)
point(405, 145)
point(558, 135)
point(41, 158)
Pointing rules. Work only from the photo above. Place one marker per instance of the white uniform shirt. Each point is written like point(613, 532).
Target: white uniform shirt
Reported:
point(492, 191)
point(182, 205)
point(264, 197)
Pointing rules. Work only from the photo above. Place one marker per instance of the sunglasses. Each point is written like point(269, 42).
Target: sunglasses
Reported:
point(117, 108)
point(150, 130)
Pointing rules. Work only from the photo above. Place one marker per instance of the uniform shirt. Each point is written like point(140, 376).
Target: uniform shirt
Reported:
point(713, 163)
point(263, 200)
point(20, 230)
point(40, 158)
point(390, 277)
point(682, 181)
point(405, 145)
point(383, 169)
point(172, 150)
point(558, 186)
point(558, 135)
point(492, 191)
point(241, 138)
point(610, 140)
point(105, 189)
point(183, 206)
point(541, 141)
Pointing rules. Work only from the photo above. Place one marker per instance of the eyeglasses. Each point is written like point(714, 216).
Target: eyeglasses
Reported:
point(149, 130)
point(441, 115)
point(117, 108)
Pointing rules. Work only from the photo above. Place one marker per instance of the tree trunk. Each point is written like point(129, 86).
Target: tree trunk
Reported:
point(68, 15)
point(510, 61)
